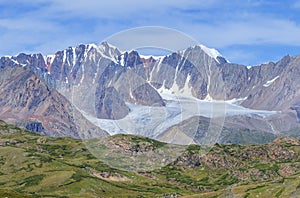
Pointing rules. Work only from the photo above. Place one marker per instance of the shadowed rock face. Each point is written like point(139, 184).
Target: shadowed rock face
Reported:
point(24, 97)
point(35, 127)
point(296, 107)
point(110, 105)
point(147, 96)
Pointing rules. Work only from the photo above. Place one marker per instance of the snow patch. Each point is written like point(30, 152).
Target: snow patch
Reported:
point(122, 61)
point(159, 64)
point(111, 46)
point(65, 56)
point(186, 91)
point(101, 50)
point(74, 56)
point(269, 82)
point(211, 52)
point(92, 46)
point(151, 56)
point(95, 76)
point(49, 59)
point(156, 66)
point(15, 61)
point(130, 93)
point(208, 98)
point(82, 77)
point(236, 100)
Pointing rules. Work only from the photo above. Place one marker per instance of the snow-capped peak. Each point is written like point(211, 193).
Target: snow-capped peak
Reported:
point(109, 48)
point(213, 53)
point(105, 43)
point(91, 46)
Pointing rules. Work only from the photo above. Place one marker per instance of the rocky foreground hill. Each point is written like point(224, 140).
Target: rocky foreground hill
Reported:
point(33, 165)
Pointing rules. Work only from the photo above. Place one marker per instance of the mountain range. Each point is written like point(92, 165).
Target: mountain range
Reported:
point(82, 91)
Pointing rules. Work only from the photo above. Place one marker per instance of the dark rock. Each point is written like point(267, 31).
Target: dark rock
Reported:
point(35, 127)
point(110, 105)
point(146, 95)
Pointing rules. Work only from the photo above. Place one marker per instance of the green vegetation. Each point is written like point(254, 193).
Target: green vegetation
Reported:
point(246, 136)
point(32, 165)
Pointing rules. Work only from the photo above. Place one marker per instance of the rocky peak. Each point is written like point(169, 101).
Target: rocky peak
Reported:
point(284, 61)
point(131, 59)
point(109, 50)
point(210, 52)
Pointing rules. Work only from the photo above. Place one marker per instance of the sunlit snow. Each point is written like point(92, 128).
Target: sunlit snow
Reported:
point(268, 83)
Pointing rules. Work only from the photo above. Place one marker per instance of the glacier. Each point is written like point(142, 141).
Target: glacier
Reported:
point(152, 121)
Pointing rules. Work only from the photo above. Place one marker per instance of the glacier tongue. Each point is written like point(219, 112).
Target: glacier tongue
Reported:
point(153, 121)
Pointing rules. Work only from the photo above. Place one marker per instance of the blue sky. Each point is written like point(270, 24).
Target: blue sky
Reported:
point(244, 31)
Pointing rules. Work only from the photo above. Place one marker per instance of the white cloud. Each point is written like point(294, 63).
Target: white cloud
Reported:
point(257, 30)
point(113, 9)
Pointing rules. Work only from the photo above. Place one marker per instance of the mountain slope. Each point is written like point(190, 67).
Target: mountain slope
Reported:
point(25, 99)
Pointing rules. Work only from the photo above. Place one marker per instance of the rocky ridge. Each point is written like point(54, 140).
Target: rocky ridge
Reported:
point(101, 79)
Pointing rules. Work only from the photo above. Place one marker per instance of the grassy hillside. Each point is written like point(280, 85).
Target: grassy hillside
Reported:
point(32, 165)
